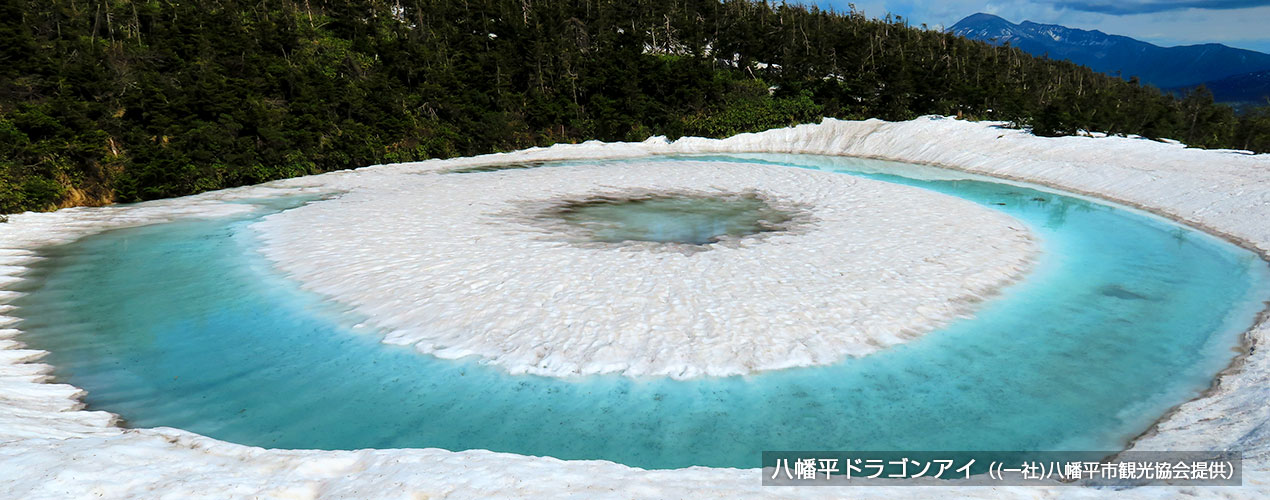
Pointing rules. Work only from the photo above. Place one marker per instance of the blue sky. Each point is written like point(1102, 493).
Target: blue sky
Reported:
point(1238, 23)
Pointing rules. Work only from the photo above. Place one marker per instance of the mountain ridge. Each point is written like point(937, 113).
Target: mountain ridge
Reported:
point(1162, 67)
point(1242, 90)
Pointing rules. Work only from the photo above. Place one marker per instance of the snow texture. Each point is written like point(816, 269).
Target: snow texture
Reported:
point(445, 263)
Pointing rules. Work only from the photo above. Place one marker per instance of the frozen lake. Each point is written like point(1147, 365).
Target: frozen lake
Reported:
point(184, 325)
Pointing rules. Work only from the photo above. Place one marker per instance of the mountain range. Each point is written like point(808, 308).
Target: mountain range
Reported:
point(1250, 88)
point(1241, 75)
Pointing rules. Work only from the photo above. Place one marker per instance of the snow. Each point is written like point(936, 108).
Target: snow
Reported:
point(878, 264)
point(50, 448)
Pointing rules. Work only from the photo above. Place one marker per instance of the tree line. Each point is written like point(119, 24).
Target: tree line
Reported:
point(125, 100)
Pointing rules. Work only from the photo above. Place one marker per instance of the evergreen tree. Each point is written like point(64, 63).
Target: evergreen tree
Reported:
point(125, 100)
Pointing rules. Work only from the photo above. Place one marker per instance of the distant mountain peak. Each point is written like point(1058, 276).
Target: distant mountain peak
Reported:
point(980, 17)
point(1164, 67)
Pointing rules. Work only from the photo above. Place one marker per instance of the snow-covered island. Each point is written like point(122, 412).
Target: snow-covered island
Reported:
point(875, 263)
point(51, 448)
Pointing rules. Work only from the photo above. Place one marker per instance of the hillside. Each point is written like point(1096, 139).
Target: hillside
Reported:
point(1246, 89)
point(1163, 67)
point(121, 101)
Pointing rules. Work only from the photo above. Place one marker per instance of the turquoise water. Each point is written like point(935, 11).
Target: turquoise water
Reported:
point(182, 325)
point(693, 220)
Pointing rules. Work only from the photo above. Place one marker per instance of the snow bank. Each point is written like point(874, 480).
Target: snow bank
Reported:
point(49, 449)
point(445, 263)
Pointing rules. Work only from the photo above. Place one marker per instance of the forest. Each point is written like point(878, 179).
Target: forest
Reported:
point(106, 101)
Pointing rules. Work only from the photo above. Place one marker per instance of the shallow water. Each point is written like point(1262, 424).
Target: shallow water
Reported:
point(693, 220)
point(1126, 315)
